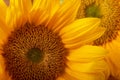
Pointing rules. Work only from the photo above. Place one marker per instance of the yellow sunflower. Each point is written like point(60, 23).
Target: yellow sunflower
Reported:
point(109, 13)
point(40, 40)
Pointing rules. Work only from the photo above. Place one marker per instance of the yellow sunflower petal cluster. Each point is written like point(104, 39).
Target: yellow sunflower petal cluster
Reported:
point(109, 13)
point(83, 62)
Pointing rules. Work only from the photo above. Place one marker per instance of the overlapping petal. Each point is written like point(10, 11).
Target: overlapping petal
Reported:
point(64, 15)
point(113, 56)
point(81, 31)
point(17, 12)
point(3, 74)
point(86, 63)
point(41, 9)
point(3, 8)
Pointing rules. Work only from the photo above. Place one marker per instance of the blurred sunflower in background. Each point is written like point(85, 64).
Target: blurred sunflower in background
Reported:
point(109, 13)
point(41, 41)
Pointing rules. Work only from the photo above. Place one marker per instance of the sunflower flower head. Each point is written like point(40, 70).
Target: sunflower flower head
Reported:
point(109, 13)
point(41, 41)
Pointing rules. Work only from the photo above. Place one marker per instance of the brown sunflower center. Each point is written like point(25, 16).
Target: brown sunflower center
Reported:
point(109, 13)
point(34, 53)
point(93, 11)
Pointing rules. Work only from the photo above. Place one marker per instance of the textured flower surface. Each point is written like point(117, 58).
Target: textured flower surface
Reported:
point(41, 41)
point(109, 13)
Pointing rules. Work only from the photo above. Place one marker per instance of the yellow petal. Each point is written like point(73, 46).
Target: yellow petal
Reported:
point(41, 9)
point(4, 33)
point(1, 64)
point(17, 12)
point(49, 5)
point(14, 18)
point(93, 66)
point(27, 5)
point(3, 8)
point(66, 76)
point(64, 15)
point(81, 31)
point(1, 37)
point(88, 63)
point(38, 17)
point(22, 5)
point(39, 4)
point(60, 78)
point(3, 74)
point(39, 12)
point(113, 58)
point(10, 17)
point(87, 53)
point(53, 7)
point(86, 76)
point(1, 68)
point(3, 26)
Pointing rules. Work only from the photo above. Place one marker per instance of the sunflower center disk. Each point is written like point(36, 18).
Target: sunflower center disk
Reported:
point(34, 53)
point(93, 11)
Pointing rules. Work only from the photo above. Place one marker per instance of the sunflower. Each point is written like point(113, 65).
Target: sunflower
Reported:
point(41, 41)
point(109, 13)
